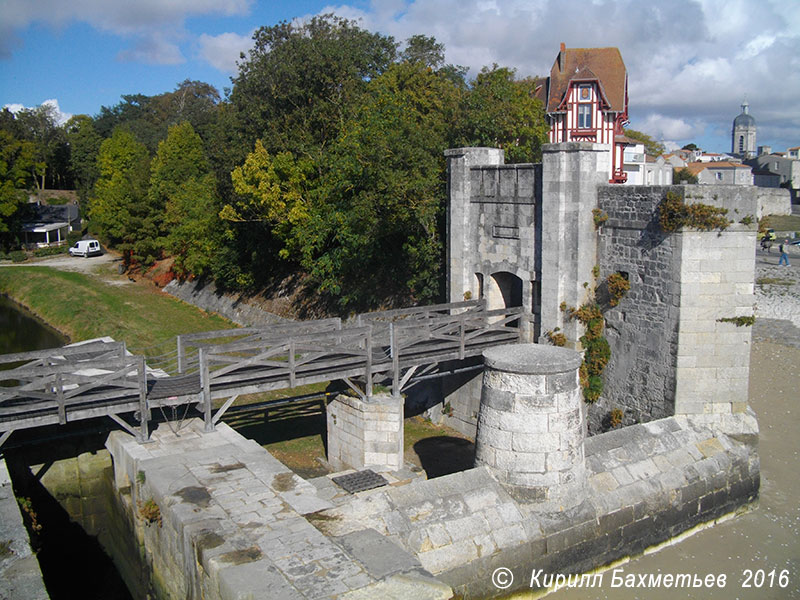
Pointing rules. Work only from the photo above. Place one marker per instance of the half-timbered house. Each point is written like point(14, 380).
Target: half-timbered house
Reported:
point(586, 100)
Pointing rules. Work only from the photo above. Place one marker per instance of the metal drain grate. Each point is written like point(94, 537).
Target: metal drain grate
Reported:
point(360, 481)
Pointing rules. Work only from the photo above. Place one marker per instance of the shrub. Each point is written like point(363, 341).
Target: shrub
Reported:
point(51, 251)
point(618, 286)
point(556, 338)
point(674, 213)
point(18, 256)
point(150, 512)
point(599, 216)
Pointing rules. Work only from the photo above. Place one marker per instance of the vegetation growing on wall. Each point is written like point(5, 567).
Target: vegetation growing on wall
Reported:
point(674, 213)
point(745, 321)
point(618, 286)
point(599, 216)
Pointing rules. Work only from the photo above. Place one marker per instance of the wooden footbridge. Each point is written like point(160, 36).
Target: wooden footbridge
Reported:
point(94, 379)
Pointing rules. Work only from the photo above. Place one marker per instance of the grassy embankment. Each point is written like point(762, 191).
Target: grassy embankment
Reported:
point(84, 307)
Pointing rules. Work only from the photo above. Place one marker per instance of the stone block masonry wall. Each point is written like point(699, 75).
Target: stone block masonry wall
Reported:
point(207, 297)
point(713, 354)
point(531, 427)
point(643, 329)
point(670, 353)
point(646, 483)
point(230, 524)
point(365, 433)
point(20, 575)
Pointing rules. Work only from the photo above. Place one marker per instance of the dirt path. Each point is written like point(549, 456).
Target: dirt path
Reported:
point(104, 267)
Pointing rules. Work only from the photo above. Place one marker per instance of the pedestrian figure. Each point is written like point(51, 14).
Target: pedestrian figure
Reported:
point(782, 249)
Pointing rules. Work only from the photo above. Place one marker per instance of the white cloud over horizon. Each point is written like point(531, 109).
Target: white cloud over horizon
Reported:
point(690, 62)
point(52, 103)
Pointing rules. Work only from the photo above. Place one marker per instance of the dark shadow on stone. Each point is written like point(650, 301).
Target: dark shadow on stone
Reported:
point(74, 564)
point(443, 455)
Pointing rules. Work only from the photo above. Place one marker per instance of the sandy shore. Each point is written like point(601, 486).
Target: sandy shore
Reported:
point(765, 540)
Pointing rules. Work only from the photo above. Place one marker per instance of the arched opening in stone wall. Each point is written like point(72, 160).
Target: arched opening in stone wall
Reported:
point(503, 290)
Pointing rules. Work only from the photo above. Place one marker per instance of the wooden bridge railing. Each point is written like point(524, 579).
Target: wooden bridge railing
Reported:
point(59, 385)
point(259, 365)
point(52, 390)
point(188, 345)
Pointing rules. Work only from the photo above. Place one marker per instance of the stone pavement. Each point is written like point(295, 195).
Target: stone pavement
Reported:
point(233, 525)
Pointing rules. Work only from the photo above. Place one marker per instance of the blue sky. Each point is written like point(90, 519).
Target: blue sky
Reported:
point(690, 63)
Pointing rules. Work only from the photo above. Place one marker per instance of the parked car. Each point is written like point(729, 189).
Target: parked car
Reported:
point(85, 248)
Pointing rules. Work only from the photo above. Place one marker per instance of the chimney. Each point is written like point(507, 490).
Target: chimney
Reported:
point(562, 57)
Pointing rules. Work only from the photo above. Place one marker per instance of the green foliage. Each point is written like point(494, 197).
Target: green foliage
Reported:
point(183, 193)
point(150, 512)
point(745, 321)
point(599, 216)
point(597, 351)
point(683, 175)
point(618, 286)
point(119, 206)
point(301, 80)
point(556, 338)
point(17, 163)
point(84, 142)
point(51, 251)
point(674, 213)
point(651, 147)
point(501, 112)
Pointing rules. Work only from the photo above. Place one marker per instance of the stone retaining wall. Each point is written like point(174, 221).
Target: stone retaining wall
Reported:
point(20, 575)
point(646, 484)
point(206, 296)
point(217, 517)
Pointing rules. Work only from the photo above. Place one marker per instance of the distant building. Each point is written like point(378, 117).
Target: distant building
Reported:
point(586, 99)
point(788, 169)
point(743, 136)
point(44, 225)
point(721, 173)
point(793, 153)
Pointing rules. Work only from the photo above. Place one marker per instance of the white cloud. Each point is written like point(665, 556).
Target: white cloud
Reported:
point(154, 25)
point(52, 103)
point(223, 51)
point(660, 127)
point(154, 49)
point(116, 16)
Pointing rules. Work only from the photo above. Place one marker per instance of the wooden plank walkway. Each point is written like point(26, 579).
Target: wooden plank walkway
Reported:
point(67, 384)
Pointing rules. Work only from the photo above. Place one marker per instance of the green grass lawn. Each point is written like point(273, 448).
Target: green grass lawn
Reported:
point(84, 307)
point(784, 222)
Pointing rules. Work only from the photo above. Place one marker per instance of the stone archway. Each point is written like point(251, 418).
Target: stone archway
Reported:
point(503, 290)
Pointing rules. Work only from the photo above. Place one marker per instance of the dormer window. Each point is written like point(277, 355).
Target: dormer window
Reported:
point(584, 116)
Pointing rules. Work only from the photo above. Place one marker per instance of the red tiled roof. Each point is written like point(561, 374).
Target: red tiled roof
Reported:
point(580, 64)
point(696, 167)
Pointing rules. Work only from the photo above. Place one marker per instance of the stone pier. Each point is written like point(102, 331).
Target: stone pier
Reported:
point(530, 426)
point(365, 432)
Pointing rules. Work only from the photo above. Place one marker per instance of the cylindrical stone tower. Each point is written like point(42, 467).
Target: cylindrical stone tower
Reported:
point(531, 428)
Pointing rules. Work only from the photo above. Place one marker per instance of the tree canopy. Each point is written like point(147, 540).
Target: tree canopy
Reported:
point(325, 159)
point(651, 146)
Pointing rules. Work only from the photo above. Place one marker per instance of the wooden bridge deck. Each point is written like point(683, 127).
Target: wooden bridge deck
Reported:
point(85, 381)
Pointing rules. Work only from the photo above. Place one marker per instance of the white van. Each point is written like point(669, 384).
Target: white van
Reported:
point(85, 248)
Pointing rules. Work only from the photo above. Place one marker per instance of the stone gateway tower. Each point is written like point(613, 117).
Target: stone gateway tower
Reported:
point(743, 138)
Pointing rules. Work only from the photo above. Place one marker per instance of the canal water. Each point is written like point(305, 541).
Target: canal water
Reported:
point(73, 562)
point(20, 331)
